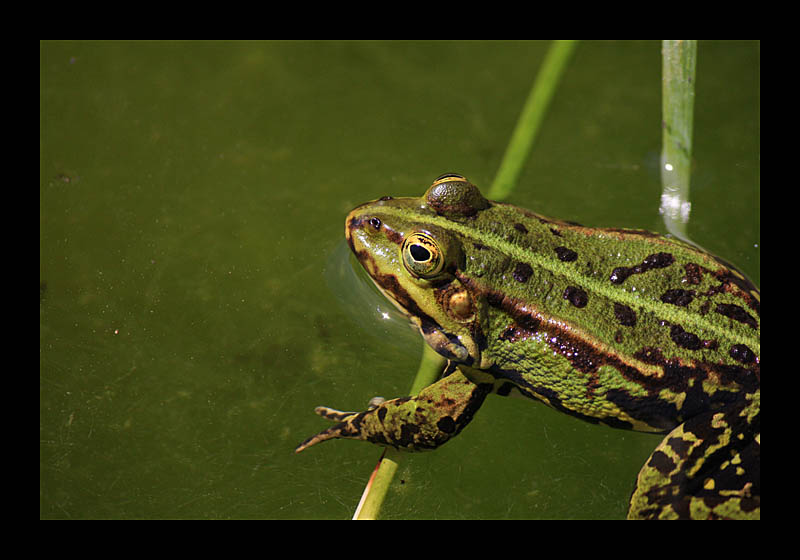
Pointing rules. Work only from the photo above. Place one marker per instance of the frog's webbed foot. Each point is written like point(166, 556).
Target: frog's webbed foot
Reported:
point(332, 414)
point(340, 429)
point(349, 424)
point(411, 423)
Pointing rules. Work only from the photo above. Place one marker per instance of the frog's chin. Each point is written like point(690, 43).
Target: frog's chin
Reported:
point(451, 347)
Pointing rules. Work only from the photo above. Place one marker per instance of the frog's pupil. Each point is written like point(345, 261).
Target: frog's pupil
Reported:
point(419, 253)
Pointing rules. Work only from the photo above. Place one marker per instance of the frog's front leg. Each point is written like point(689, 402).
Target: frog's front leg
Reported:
point(426, 421)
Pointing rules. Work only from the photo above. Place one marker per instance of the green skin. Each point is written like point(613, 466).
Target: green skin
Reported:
point(623, 327)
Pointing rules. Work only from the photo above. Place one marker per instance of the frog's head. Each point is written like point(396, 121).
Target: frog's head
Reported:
point(412, 249)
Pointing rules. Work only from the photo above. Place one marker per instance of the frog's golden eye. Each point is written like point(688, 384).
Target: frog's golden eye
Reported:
point(422, 256)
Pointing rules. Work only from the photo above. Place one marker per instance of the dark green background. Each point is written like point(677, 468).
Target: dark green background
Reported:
point(195, 300)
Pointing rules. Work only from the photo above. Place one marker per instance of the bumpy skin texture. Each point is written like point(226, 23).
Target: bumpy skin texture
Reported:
point(622, 327)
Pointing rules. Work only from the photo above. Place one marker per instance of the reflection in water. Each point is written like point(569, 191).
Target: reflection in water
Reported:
point(362, 301)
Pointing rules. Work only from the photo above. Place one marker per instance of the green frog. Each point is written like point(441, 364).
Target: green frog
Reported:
point(621, 327)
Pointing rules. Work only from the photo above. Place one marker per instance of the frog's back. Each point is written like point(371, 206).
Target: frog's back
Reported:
point(667, 330)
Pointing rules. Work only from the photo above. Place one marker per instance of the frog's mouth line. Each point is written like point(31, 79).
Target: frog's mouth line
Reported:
point(449, 346)
point(387, 283)
point(390, 287)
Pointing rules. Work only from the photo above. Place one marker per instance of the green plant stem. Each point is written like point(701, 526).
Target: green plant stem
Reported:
point(679, 60)
point(375, 492)
point(524, 134)
point(514, 159)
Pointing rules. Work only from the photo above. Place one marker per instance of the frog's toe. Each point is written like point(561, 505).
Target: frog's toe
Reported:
point(340, 415)
point(350, 427)
point(330, 433)
point(332, 414)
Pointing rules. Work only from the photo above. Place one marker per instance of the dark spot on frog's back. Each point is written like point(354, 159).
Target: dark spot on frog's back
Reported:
point(678, 297)
point(625, 315)
point(684, 339)
point(694, 273)
point(650, 262)
point(657, 260)
point(522, 272)
point(520, 228)
point(737, 314)
point(742, 354)
point(576, 296)
point(566, 255)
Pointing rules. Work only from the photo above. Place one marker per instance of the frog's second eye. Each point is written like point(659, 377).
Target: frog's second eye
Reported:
point(422, 256)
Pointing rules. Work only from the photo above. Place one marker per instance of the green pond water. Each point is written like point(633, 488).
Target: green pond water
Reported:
point(196, 301)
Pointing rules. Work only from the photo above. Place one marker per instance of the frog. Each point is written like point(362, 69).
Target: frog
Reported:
point(614, 326)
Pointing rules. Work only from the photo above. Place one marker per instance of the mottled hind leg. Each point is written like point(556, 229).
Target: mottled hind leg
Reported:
point(706, 468)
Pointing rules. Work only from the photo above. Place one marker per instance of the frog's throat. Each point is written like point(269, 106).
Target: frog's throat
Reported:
point(461, 349)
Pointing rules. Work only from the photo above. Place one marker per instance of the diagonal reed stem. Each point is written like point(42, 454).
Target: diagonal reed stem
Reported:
point(519, 148)
point(513, 162)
